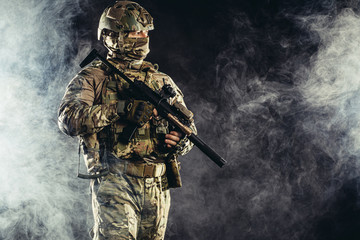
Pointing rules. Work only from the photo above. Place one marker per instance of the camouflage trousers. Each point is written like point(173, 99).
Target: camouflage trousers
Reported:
point(126, 207)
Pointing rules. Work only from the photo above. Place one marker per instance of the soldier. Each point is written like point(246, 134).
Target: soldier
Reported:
point(132, 201)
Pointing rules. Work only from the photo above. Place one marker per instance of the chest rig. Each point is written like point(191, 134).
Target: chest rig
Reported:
point(147, 141)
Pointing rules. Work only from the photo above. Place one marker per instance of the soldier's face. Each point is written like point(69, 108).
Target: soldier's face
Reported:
point(135, 44)
point(138, 34)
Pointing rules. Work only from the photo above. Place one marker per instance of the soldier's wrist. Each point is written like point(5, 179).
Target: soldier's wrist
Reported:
point(181, 145)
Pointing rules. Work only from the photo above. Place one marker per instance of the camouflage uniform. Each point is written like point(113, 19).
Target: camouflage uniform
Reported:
point(132, 202)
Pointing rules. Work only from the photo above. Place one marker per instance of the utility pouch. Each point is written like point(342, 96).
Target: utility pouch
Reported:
point(173, 173)
point(127, 133)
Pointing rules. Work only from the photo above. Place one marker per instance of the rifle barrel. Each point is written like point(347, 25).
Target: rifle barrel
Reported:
point(214, 156)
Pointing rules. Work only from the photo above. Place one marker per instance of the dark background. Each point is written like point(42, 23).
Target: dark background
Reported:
point(201, 43)
point(274, 87)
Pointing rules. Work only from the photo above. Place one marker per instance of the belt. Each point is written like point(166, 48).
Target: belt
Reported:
point(145, 170)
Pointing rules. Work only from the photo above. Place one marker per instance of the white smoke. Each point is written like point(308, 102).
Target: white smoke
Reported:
point(291, 138)
point(290, 144)
point(333, 82)
point(40, 197)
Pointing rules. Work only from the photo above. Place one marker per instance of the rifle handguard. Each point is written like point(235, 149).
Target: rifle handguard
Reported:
point(187, 114)
point(185, 129)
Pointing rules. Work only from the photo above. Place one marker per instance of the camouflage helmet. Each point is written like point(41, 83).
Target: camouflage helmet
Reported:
point(125, 16)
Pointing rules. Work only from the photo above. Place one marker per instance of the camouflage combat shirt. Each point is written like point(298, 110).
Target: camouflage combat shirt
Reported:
point(88, 110)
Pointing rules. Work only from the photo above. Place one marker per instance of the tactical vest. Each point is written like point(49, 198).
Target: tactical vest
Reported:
point(148, 141)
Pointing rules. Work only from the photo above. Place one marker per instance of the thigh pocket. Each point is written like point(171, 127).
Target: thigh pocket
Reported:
point(99, 184)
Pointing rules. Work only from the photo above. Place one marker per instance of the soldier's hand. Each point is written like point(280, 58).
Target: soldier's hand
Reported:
point(137, 111)
point(172, 138)
point(155, 112)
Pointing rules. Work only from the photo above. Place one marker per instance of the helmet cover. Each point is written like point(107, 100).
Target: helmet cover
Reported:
point(125, 16)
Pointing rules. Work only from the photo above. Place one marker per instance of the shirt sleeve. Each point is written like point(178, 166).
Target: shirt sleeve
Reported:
point(185, 144)
point(78, 115)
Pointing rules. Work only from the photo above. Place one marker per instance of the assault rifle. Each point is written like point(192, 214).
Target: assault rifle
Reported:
point(177, 114)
